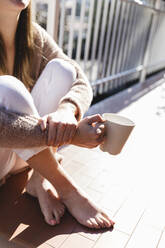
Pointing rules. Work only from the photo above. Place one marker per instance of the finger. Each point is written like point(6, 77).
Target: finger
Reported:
point(98, 131)
point(100, 134)
point(100, 139)
point(72, 133)
point(51, 133)
point(95, 118)
point(69, 133)
point(59, 134)
point(66, 133)
point(100, 128)
point(43, 123)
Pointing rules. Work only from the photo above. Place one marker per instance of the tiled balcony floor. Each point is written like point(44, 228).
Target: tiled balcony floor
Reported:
point(129, 186)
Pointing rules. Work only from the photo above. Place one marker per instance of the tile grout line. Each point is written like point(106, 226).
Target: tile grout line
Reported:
point(96, 241)
point(122, 204)
point(134, 228)
point(63, 241)
point(157, 246)
point(50, 245)
point(123, 232)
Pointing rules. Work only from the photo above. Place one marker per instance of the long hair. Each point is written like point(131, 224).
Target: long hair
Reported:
point(23, 49)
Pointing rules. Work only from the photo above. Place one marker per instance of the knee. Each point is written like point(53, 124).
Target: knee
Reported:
point(14, 96)
point(62, 70)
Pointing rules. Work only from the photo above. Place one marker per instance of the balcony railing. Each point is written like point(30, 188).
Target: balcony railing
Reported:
point(116, 42)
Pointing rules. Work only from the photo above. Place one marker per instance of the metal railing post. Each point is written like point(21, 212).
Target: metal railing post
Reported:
point(153, 24)
point(56, 19)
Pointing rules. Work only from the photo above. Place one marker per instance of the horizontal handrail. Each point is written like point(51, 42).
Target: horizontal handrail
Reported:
point(126, 73)
point(118, 75)
point(143, 4)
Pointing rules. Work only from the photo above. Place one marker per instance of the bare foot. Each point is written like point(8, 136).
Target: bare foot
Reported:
point(50, 205)
point(85, 211)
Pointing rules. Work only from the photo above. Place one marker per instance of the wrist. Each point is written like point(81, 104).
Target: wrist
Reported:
point(69, 106)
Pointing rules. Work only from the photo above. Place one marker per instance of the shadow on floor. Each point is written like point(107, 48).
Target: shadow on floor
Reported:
point(22, 221)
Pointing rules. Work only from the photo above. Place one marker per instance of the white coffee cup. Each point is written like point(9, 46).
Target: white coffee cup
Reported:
point(117, 131)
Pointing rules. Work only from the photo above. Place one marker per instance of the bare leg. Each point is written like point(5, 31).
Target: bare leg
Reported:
point(48, 198)
point(79, 205)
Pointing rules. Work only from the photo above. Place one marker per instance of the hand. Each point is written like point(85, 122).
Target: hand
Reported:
point(62, 126)
point(90, 132)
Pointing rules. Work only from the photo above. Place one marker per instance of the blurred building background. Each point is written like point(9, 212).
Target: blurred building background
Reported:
point(118, 43)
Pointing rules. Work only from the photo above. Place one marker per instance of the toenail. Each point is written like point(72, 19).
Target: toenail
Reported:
point(53, 222)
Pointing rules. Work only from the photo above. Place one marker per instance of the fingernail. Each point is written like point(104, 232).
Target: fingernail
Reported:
point(98, 131)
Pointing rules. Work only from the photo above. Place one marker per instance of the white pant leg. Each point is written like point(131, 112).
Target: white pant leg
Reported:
point(54, 82)
point(15, 97)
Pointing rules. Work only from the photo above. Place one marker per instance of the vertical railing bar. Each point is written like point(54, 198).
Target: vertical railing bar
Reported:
point(111, 15)
point(123, 38)
point(146, 55)
point(78, 52)
point(118, 40)
point(87, 44)
point(149, 43)
point(138, 49)
point(157, 23)
point(142, 44)
point(125, 50)
point(56, 20)
point(62, 24)
point(129, 46)
point(137, 44)
point(95, 36)
point(71, 33)
point(102, 35)
point(135, 34)
point(33, 10)
point(157, 20)
point(130, 40)
point(113, 42)
point(107, 44)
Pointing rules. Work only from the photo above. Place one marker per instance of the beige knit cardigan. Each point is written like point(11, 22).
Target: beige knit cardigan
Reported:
point(20, 131)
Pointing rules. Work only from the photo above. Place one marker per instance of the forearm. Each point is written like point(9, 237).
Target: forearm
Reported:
point(20, 131)
point(71, 106)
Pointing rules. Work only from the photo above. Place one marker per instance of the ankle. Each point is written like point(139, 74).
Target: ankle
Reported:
point(68, 193)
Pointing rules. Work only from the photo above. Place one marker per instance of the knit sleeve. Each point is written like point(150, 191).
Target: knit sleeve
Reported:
point(20, 131)
point(80, 93)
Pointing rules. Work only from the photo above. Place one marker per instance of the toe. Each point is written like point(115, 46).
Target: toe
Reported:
point(108, 218)
point(89, 224)
point(57, 216)
point(52, 222)
point(94, 223)
point(106, 222)
point(61, 212)
point(100, 222)
point(48, 216)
